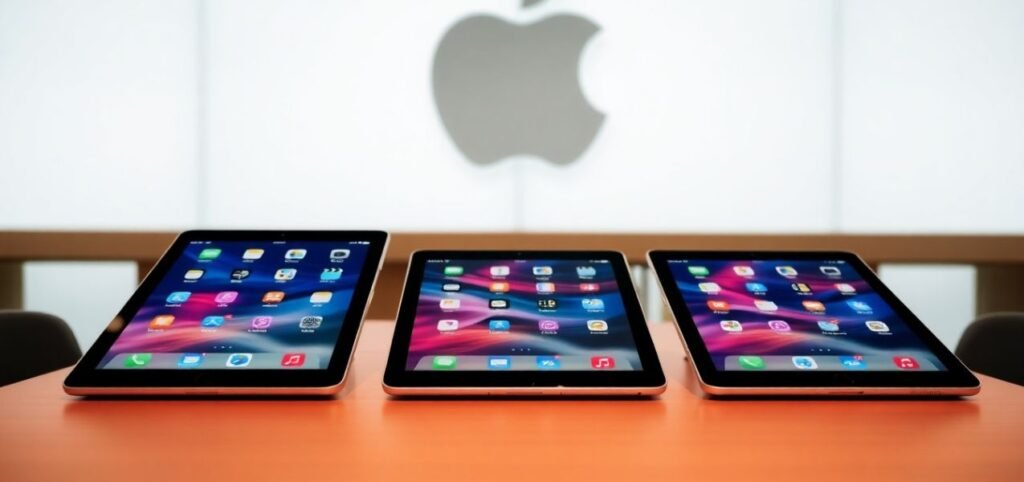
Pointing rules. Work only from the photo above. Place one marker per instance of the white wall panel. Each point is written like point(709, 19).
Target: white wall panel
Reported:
point(933, 124)
point(942, 296)
point(719, 118)
point(97, 114)
point(87, 295)
point(321, 115)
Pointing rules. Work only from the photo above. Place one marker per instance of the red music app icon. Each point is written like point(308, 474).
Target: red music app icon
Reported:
point(293, 359)
point(906, 362)
point(602, 362)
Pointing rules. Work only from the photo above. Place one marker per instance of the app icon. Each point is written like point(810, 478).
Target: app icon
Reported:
point(547, 325)
point(498, 304)
point(905, 362)
point(719, 306)
point(447, 325)
point(321, 297)
point(340, 254)
point(765, 305)
point(743, 270)
point(855, 362)
point(499, 325)
point(499, 287)
point(499, 271)
point(212, 322)
point(877, 326)
point(450, 287)
point(787, 271)
point(547, 304)
point(453, 270)
point(310, 322)
point(698, 270)
point(161, 322)
point(731, 325)
point(295, 254)
point(252, 253)
point(331, 274)
point(545, 288)
point(194, 274)
point(239, 360)
point(190, 360)
point(178, 297)
point(285, 274)
point(592, 304)
point(543, 271)
point(859, 306)
point(602, 362)
point(548, 363)
point(137, 360)
point(710, 288)
point(756, 287)
point(444, 362)
point(805, 363)
point(273, 297)
point(499, 362)
point(225, 297)
point(828, 325)
point(801, 287)
point(589, 287)
point(830, 271)
point(778, 325)
point(814, 306)
point(293, 360)
point(262, 322)
point(750, 362)
point(240, 274)
point(845, 288)
point(209, 253)
point(597, 325)
point(586, 271)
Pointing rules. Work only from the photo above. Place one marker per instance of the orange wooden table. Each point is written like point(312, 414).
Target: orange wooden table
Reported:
point(362, 434)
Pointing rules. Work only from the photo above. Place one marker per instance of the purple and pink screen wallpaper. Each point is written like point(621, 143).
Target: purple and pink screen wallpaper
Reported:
point(244, 305)
point(531, 315)
point(796, 315)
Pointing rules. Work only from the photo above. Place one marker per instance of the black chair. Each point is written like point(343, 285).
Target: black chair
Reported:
point(994, 345)
point(34, 343)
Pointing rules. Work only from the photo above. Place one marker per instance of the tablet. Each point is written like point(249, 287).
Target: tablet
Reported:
point(801, 322)
point(239, 312)
point(521, 323)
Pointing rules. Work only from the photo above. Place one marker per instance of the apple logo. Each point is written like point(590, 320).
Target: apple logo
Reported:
point(504, 89)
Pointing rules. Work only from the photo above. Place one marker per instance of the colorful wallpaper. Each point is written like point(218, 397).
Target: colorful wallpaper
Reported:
point(775, 314)
point(521, 315)
point(252, 304)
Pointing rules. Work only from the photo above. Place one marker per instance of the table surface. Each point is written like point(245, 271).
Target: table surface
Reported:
point(364, 434)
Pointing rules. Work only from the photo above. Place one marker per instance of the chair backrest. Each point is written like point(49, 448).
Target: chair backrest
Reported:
point(34, 343)
point(994, 345)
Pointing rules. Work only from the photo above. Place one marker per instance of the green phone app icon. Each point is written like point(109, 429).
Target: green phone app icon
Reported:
point(453, 270)
point(749, 362)
point(137, 360)
point(444, 363)
point(209, 253)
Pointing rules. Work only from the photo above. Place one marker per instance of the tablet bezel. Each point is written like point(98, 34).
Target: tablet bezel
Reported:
point(957, 376)
point(396, 375)
point(86, 374)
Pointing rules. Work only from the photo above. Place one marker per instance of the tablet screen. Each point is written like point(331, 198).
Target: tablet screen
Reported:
point(521, 315)
point(237, 305)
point(796, 315)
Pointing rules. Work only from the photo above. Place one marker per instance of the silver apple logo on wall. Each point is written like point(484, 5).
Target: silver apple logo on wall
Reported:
point(504, 89)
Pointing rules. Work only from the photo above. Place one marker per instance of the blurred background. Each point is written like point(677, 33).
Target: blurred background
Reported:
point(758, 117)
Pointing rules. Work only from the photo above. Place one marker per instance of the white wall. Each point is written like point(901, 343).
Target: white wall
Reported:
point(739, 116)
